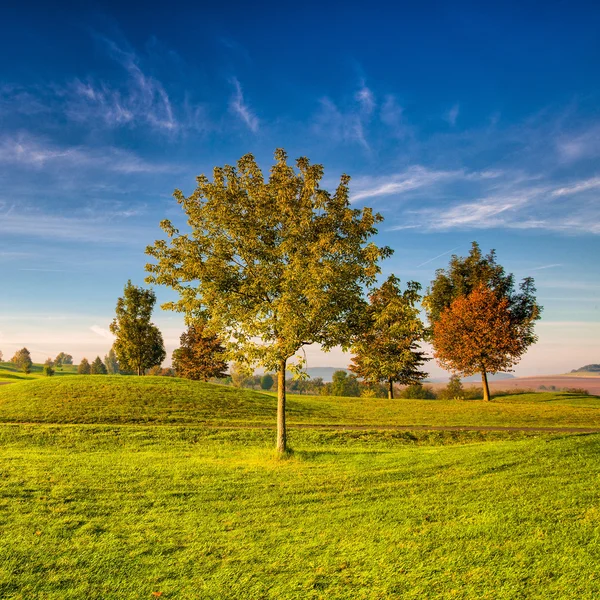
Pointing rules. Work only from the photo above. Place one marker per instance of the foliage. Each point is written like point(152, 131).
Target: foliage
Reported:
point(277, 264)
point(48, 368)
point(139, 344)
point(240, 374)
point(387, 348)
point(477, 334)
point(111, 362)
point(63, 359)
point(22, 360)
point(201, 354)
point(1, 356)
point(266, 381)
point(467, 278)
point(454, 390)
point(593, 368)
point(418, 391)
point(84, 367)
point(98, 367)
point(342, 384)
point(158, 371)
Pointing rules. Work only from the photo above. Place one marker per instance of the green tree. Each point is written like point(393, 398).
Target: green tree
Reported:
point(454, 390)
point(240, 373)
point(111, 362)
point(387, 348)
point(266, 381)
point(98, 367)
point(63, 359)
point(1, 356)
point(459, 281)
point(84, 367)
point(22, 360)
point(139, 344)
point(200, 355)
point(48, 368)
point(344, 384)
point(418, 391)
point(277, 264)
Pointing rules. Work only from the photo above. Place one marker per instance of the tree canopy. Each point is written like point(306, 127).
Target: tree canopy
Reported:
point(84, 367)
point(139, 343)
point(22, 360)
point(98, 367)
point(387, 348)
point(200, 355)
point(63, 359)
point(272, 264)
point(518, 309)
point(478, 334)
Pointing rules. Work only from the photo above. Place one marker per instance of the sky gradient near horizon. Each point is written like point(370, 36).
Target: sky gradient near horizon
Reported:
point(458, 122)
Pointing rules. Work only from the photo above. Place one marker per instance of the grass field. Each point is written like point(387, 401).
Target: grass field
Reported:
point(8, 372)
point(130, 488)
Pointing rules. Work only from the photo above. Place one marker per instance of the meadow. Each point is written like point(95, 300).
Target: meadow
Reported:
point(125, 487)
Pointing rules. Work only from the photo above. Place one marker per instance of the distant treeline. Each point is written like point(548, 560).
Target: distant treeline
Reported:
point(587, 369)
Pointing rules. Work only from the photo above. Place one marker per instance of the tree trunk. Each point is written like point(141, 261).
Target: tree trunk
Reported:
point(281, 433)
point(486, 387)
point(390, 389)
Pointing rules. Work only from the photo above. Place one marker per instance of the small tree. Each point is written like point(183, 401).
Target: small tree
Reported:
point(139, 344)
point(48, 368)
point(418, 391)
point(22, 360)
point(478, 334)
point(275, 264)
point(454, 390)
point(343, 384)
point(111, 362)
point(63, 359)
point(266, 381)
point(1, 356)
point(239, 373)
point(84, 367)
point(98, 367)
point(387, 349)
point(201, 354)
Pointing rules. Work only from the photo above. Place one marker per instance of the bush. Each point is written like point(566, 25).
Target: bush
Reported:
point(48, 371)
point(418, 392)
point(453, 391)
point(578, 391)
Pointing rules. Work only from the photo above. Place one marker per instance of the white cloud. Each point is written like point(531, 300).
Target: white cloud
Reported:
point(576, 188)
point(452, 115)
point(241, 109)
point(104, 333)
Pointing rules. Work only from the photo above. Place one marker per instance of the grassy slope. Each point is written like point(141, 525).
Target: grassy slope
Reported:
point(103, 399)
point(111, 512)
point(8, 372)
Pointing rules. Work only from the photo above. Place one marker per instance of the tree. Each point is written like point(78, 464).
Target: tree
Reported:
point(239, 373)
point(387, 348)
point(63, 359)
point(454, 390)
point(84, 367)
point(139, 344)
point(343, 384)
point(1, 356)
point(476, 271)
point(477, 333)
point(22, 360)
point(273, 265)
point(98, 367)
point(266, 381)
point(201, 354)
point(111, 362)
point(48, 369)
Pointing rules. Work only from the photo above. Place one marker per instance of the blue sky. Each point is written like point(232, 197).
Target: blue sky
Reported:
point(456, 121)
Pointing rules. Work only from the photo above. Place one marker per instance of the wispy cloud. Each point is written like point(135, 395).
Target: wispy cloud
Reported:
point(238, 106)
point(30, 151)
point(438, 256)
point(576, 188)
point(104, 333)
point(452, 115)
point(552, 266)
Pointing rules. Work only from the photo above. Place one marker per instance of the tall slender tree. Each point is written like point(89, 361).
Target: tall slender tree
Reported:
point(483, 274)
point(139, 343)
point(387, 348)
point(272, 265)
point(111, 362)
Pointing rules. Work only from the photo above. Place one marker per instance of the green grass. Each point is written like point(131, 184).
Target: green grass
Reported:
point(118, 487)
point(164, 400)
point(8, 372)
point(96, 512)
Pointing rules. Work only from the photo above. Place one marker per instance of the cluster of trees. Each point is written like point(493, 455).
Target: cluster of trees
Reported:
point(274, 264)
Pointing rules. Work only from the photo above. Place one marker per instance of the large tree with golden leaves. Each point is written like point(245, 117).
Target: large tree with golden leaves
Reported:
point(477, 334)
point(271, 264)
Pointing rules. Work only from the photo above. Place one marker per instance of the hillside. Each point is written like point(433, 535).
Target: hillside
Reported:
point(8, 372)
point(166, 400)
point(593, 368)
